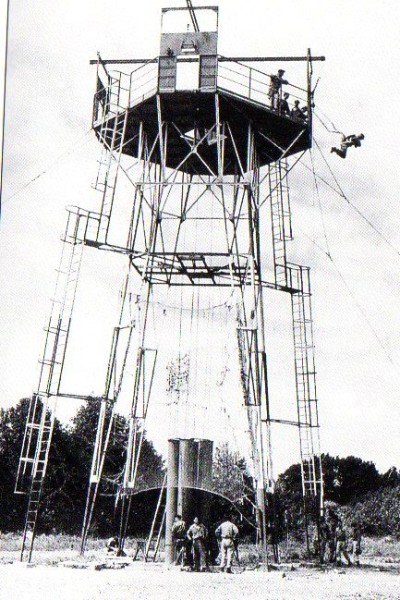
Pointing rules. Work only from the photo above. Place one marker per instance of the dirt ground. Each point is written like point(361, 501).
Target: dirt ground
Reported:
point(65, 581)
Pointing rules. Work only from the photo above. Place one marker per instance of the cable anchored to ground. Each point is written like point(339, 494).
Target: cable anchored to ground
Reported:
point(339, 191)
point(50, 166)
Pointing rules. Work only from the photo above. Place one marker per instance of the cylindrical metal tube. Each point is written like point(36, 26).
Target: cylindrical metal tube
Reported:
point(187, 466)
point(204, 467)
point(172, 498)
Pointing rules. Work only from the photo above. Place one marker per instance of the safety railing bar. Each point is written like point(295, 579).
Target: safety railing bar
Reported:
point(263, 73)
point(256, 89)
point(144, 83)
point(143, 96)
point(145, 74)
point(245, 85)
point(151, 60)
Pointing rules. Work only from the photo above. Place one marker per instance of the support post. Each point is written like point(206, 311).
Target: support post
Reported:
point(172, 498)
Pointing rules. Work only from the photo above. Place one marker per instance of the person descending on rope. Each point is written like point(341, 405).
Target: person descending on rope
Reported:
point(347, 142)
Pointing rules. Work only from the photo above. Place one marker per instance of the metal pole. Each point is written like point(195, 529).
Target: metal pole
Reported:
point(136, 61)
point(172, 498)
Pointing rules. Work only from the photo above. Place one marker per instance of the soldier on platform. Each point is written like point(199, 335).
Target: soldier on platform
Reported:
point(275, 87)
point(227, 532)
point(197, 534)
point(284, 105)
point(298, 113)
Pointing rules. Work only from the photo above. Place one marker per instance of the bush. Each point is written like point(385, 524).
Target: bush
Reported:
point(378, 513)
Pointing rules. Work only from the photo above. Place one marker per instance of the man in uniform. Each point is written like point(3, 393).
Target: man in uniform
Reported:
point(113, 547)
point(275, 86)
point(178, 531)
point(227, 532)
point(347, 142)
point(356, 542)
point(324, 535)
point(197, 534)
point(298, 113)
point(341, 545)
point(284, 105)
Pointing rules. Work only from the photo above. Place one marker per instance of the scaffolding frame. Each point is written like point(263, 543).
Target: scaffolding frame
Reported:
point(238, 266)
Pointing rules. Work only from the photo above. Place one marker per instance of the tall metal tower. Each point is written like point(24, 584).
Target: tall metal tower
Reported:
point(205, 142)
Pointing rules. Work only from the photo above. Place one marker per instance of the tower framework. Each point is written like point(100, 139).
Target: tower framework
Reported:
point(205, 146)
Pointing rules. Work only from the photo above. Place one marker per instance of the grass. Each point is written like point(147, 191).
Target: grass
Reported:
point(56, 548)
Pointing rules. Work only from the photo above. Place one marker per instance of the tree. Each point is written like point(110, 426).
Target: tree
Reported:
point(83, 434)
point(345, 480)
point(230, 474)
point(12, 427)
point(65, 486)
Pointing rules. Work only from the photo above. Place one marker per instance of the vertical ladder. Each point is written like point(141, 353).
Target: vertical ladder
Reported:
point(297, 279)
point(306, 382)
point(112, 136)
point(280, 218)
point(39, 425)
point(157, 525)
point(102, 440)
point(40, 420)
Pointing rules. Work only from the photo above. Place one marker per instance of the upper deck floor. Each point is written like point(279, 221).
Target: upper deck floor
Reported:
point(185, 79)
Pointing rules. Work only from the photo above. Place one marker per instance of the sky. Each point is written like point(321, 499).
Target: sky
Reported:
point(50, 162)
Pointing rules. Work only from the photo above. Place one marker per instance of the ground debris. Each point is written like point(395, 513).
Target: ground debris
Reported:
point(70, 564)
point(111, 565)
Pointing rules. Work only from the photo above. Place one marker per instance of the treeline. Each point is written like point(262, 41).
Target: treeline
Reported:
point(65, 487)
point(354, 485)
point(358, 490)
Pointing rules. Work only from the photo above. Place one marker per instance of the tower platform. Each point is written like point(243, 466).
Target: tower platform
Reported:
point(192, 114)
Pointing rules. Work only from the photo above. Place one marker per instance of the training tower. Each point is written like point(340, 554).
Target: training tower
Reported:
point(205, 148)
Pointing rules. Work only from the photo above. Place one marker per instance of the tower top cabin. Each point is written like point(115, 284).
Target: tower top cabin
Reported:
point(202, 99)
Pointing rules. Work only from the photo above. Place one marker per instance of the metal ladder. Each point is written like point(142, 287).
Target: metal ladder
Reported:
point(307, 403)
point(157, 525)
point(297, 279)
point(280, 218)
point(112, 136)
point(40, 420)
point(101, 443)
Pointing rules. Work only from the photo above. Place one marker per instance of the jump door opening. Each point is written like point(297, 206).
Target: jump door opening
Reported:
point(188, 73)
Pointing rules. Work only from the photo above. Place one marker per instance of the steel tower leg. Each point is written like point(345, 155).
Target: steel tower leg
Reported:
point(296, 279)
point(40, 420)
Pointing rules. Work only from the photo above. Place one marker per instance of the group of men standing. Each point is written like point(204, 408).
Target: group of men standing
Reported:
point(333, 542)
point(195, 549)
point(280, 103)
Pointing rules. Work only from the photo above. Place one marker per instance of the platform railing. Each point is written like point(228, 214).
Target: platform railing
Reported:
point(254, 84)
point(117, 90)
point(143, 83)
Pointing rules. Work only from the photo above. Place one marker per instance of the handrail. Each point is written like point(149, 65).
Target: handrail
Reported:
point(238, 62)
point(124, 90)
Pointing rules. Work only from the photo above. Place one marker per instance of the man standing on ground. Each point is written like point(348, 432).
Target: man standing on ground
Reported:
point(197, 533)
point(227, 532)
point(356, 542)
point(341, 545)
point(178, 531)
